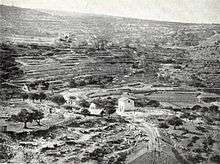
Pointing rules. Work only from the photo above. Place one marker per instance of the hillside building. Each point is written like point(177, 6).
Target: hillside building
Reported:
point(25, 88)
point(94, 110)
point(125, 104)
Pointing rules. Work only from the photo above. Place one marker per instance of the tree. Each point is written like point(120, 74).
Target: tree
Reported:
point(42, 96)
point(37, 116)
point(163, 125)
point(196, 107)
point(215, 158)
point(24, 116)
point(33, 96)
point(73, 83)
point(213, 108)
point(83, 103)
point(153, 103)
point(85, 112)
point(175, 121)
point(24, 96)
point(109, 108)
point(6, 153)
point(59, 99)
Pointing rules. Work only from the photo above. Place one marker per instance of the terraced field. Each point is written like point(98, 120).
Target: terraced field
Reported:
point(65, 65)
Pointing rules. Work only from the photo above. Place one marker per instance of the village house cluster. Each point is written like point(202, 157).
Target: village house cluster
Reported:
point(125, 103)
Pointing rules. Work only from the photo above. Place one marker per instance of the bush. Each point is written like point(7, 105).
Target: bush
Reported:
point(153, 103)
point(42, 96)
point(5, 153)
point(37, 116)
point(109, 109)
point(204, 109)
point(189, 116)
point(215, 158)
point(83, 103)
point(196, 107)
point(108, 105)
point(141, 103)
point(175, 121)
point(24, 96)
point(58, 99)
point(185, 115)
point(202, 129)
point(163, 125)
point(213, 108)
point(33, 96)
point(85, 112)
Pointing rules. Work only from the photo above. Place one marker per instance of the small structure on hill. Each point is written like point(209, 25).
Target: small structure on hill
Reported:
point(93, 109)
point(25, 88)
point(125, 104)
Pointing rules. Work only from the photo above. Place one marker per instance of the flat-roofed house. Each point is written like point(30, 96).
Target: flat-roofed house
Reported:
point(94, 110)
point(125, 104)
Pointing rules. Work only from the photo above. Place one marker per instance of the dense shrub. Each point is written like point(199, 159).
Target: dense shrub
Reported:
point(213, 108)
point(35, 84)
point(163, 125)
point(105, 103)
point(37, 116)
point(196, 107)
point(90, 80)
point(24, 96)
point(83, 103)
point(175, 121)
point(59, 99)
point(42, 96)
point(33, 96)
point(85, 112)
point(6, 153)
point(153, 103)
point(188, 116)
point(202, 129)
point(215, 158)
point(9, 68)
point(141, 102)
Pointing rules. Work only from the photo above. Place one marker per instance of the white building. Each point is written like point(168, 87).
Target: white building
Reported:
point(124, 104)
point(94, 110)
point(25, 88)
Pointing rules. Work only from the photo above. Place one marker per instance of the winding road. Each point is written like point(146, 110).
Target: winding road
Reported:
point(152, 145)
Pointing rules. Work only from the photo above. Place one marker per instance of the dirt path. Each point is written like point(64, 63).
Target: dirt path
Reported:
point(152, 144)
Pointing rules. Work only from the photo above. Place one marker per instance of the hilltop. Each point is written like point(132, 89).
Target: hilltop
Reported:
point(35, 23)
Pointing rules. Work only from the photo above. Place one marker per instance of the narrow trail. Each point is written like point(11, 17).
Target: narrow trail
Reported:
point(152, 145)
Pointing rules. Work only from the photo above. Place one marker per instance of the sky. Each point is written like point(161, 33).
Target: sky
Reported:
point(192, 11)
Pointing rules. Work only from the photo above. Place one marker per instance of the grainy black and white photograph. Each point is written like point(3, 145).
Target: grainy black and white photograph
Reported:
point(110, 81)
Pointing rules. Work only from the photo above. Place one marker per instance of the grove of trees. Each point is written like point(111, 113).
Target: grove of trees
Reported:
point(26, 116)
point(58, 99)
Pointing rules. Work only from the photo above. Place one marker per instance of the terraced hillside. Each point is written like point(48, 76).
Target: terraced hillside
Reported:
point(142, 47)
point(63, 65)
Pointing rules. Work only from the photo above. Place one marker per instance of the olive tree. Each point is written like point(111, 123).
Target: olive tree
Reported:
point(23, 116)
